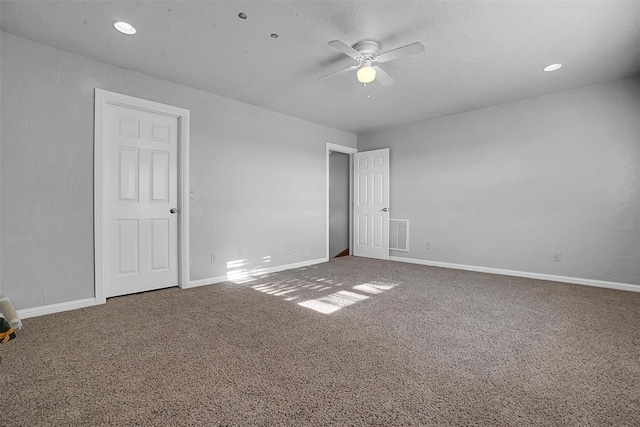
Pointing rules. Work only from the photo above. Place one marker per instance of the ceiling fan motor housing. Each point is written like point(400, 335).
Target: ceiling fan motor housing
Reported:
point(368, 49)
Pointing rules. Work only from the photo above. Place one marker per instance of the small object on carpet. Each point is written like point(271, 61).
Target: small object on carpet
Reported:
point(6, 331)
point(9, 313)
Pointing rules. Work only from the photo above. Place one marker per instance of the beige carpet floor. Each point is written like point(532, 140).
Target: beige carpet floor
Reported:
point(349, 342)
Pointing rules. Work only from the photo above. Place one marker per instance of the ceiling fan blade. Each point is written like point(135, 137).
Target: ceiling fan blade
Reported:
point(410, 49)
point(345, 48)
point(335, 73)
point(382, 76)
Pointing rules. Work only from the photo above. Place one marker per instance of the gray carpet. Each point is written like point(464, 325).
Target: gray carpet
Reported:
point(402, 345)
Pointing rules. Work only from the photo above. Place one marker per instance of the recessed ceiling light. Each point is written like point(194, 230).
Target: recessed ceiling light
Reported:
point(124, 27)
point(242, 15)
point(274, 36)
point(552, 67)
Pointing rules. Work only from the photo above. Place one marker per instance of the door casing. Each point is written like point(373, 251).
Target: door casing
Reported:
point(102, 98)
point(350, 151)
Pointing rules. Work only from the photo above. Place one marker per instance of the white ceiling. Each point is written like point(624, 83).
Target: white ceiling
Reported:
point(478, 53)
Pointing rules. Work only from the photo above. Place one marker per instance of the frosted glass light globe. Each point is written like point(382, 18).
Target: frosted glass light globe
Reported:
point(366, 74)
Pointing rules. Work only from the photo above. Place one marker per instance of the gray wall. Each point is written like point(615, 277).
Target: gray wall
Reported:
point(259, 176)
point(507, 186)
point(338, 203)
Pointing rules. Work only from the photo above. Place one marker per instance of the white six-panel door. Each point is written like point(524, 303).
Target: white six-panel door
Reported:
point(140, 196)
point(371, 204)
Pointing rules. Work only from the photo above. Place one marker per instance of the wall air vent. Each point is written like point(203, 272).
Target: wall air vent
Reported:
point(399, 235)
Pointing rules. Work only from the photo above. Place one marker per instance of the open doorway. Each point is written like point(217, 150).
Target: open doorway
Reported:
point(339, 194)
point(338, 204)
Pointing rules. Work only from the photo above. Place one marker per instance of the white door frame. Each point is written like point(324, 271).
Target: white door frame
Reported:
point(102, 98)
point(350, 151)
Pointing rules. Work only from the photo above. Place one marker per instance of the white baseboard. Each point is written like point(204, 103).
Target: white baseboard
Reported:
point(529, 275)
point(252, 272)
point(205, 282)
point(26, 313)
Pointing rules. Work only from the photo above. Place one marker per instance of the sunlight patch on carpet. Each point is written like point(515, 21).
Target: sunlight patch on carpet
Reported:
point(319, 293)
point(333, 302)
point(374, 288)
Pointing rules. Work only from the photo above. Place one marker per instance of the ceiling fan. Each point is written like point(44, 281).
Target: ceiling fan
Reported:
point(366, 53)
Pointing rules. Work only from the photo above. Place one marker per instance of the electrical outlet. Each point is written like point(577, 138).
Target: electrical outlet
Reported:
point(427, 245)
point(557, 256)
point(240, 255)
point(213, 257)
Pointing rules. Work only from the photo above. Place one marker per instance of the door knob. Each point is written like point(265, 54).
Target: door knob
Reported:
point(173, 210)
point(385, 210)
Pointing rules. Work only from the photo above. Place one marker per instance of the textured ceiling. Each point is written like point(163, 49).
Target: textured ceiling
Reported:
point(478, 53)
